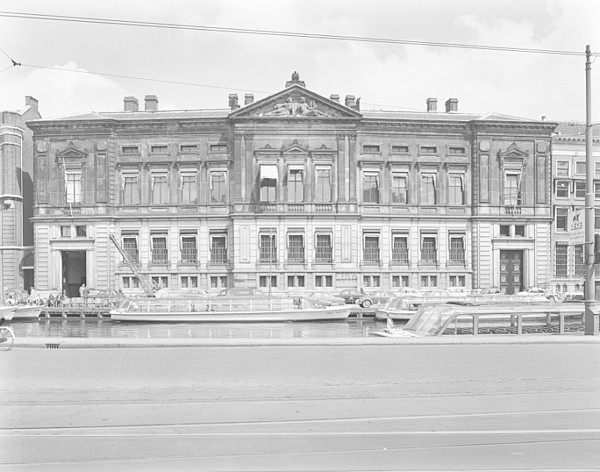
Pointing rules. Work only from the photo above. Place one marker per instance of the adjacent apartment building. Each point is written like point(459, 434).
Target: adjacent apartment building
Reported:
point(295, 191)
point(16, 197)
point(569, 186)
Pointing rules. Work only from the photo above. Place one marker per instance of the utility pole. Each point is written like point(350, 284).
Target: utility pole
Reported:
point(590, 321)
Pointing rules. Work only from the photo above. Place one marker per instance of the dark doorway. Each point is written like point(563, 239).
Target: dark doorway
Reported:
point(74, 270)
point(511, 271)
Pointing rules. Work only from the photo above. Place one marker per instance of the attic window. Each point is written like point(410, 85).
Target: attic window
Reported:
point(371, 148)
point(428, 149)
point(400, 149)
point(218, 148)
point(188, 148)
point(456, 151)
point(159, 149)
point(130, 149)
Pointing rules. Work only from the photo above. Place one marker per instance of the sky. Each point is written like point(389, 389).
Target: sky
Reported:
point(384, 76)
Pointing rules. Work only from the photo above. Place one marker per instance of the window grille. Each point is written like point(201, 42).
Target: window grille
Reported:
point(371, 249)
point(159, 250)
point(130, 247)
point(189, 252)
point(562, 260)
point(457, 250)
point(324, 251)
point(400, 250)
point(428, 250)
point(268, 249)
point(218, 249)
point(295, 248)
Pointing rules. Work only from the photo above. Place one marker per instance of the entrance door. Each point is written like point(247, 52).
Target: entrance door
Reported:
point(511, 272)
point(74, 270)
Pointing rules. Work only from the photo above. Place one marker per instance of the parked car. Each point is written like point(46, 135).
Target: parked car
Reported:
point(356, 296)
point(382, 297)
point(328, 297)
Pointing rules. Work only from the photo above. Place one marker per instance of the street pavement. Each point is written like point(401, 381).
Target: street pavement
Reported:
point(501, 405)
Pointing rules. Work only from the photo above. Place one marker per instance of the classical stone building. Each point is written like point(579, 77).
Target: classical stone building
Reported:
point(16, 197)
point(569, 186)
point(297, 191)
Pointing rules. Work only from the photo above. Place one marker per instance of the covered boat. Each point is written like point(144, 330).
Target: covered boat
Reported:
point(223, 309)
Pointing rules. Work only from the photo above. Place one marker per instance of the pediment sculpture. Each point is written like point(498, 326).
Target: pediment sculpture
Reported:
point(298, 108)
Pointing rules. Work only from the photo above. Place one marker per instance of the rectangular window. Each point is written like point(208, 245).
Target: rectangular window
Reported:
point(457, 281)
point(295, 185)
point(371, 281)
point(160, 254)
point(189, 281)
point(65, 231)
point(429, 281)
point(188, 148)
point(561, 260)
point(218, 148)
point(371, 249)
point(130, 247)
point(130, 282)
point(597, 190)
point(505, 230)
point(456, 151)
point(218, 248)
point(562, 189)
point(596, 218)
point(131, 189)
point(400, 149)
point(81, 231)
point(160, 281)
point(512, 192)
point(159, 149)
point(562, 215)
point(400, 249)
point(580, 189)
point(218, 281)
point(399, 281)
point(580, 168)
point(268, 183)
point(597, 169)
point(371, 187)
point(128, 150)
point(399, 188)
point(296, 248)
point(579, 261)
point(160, 189)
point(189, 251)
point(266, 281)
point(520, 230)
point(429, 249)
point(73, 186)
point(323, 184)
point(428, 149)
point(295, 281)
point(371, 148)
point(218, 187)
point(189, 188)
point(428, 189)
point(323, 281)
point(268, 248)
point(323, 248)
point(562, 168)
point(457, 249)
point(456, 190)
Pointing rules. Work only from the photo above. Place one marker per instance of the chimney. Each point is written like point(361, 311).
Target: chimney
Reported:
point(350, 101)
point(130, 104)
point(31, 102)
point(233, 101)
point(451, 104)
point(248, 99)
point(432, 104)
point(335, 97)
point(151, 102)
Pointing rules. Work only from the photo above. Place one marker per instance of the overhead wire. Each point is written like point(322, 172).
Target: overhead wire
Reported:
point(178, 26)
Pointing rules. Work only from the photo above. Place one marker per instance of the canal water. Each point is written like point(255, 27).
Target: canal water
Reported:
point(105, 328)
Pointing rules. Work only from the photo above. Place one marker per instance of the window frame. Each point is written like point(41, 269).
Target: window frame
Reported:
point(423, 177)
point(374, 194)
point(133, 178)
point(369, 256)
point(73, 188)
point(163, 196)
point(434, 237)
point(397, 194)
point(193, 257)
point(154, 251)
point(223, 185)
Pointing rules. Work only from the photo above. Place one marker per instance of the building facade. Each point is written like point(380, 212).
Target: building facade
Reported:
point(569, 187)
point(16, 197)
point(294, 191)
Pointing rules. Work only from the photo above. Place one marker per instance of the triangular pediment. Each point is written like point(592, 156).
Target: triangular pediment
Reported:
point(515, 152)
point(71, 152)
point(295, 103)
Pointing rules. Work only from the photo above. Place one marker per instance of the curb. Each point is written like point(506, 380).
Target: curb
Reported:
point(103, 343)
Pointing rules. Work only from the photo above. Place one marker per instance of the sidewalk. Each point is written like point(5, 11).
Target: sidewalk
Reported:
point(82, 343)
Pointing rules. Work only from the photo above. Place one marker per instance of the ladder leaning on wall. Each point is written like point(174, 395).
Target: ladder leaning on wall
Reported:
point(146, 285)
